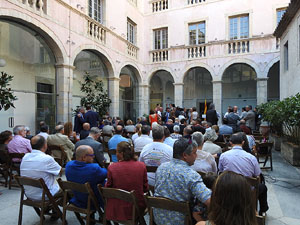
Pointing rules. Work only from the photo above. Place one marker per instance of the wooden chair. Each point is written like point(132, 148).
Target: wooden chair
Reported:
point(265, 150)
point(114, 193)
point(4, 167)
point(68, 189)
point(168, 204)
point(261, 220)
point(61, 160)
point(111, 153)
point(41, 207)
point(151, 169)
point(14, 166)
point(254, 183)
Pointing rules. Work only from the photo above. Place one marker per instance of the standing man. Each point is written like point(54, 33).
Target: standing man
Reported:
point(166, 115)
point(79, 120)
point(211, 115)
point(250, 117)
point(91, 117)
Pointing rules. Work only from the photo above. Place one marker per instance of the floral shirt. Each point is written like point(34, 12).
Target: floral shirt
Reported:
point(176, 180)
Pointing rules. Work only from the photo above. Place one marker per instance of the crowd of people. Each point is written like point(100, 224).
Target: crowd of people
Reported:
point(180, 143)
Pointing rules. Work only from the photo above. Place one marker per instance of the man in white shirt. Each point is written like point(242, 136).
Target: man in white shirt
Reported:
point(44, 131)
point(39, 165)
point(156, 153)
point(143, 140)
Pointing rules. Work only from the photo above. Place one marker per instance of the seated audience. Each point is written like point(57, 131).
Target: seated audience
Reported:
point(187, 132)
point(130, 128)
point(19, 144)
point(44, 131)
point(241, 162)
point(220, 136)
point(209, 137)
point(224, 129)
point(176, 134)
point(176, 180)
point(69, 132)
point(204, 162)
point(138, 132)
point(83, 170)
point(169, 124)
point(85, 131)
point(91, 141)
point(28, 135)
point(231, 202)
point(127, 174)
point(143, 140)
point(5, 138)
point(245, 145)
point(182, 125)
point(197, 126)
point(37, 165)
point(115, 140)
point(244, 128)
point(168, 140)
point(60, 139)
point(156, 153)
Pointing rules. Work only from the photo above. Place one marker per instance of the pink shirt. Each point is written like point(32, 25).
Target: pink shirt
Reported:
point(19, 145)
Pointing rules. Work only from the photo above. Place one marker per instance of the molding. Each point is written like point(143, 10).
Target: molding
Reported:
point(65, 66)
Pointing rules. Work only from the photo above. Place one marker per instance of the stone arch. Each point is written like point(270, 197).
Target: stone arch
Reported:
point(194, 65)
point(160, 68)
point(269, 65)
point(99, 51)
point(134, 67)
point(237, 61)
point(51, 39)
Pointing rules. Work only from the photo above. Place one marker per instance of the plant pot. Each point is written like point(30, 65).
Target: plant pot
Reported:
point(277, 141)
point(291, 153)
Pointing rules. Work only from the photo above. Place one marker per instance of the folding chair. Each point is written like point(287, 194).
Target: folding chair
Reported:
point(4, 166)
point(41, 207)
point(151, 169)
point(171, 205)
point(14, 166)
point(59, 158)
point(265, 150)
point(114, 193)
point(68, 188)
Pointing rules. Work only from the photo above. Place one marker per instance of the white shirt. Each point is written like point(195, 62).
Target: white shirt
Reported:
point(180, 117)
point(205, 162)
point(141, 141)
point(154, 154)
point(170, 141)
point(194, 115)
point(134, 136)
point(39, 165)
point(44, 134)
point(211, 148)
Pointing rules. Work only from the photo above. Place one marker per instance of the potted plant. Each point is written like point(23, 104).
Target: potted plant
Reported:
point(7, 97)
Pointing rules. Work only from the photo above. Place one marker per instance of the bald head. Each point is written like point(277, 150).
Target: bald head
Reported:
point(59, 128)
point(86, 126)
point(82, 152)
point(39, 143)
point(119, 129)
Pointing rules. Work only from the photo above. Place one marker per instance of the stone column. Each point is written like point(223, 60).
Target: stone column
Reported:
point(64, 92)
point(262, 90)
point(113, 83)
point(144, 99)
point(217, 96)
point(178, 94)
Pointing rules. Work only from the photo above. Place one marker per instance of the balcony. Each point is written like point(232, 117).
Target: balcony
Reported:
point(197, 51)
point(160, 55)
point(96, 30)
point(159, 5)
point(239, 46)
point(37, 6)
point(132, 50)
point(191, 2)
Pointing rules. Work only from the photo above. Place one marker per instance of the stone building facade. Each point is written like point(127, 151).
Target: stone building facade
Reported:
point(146, 52)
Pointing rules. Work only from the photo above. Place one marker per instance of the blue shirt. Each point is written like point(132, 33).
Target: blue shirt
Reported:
point(239, 161)
point(81, 172)
point(169, 141)
point(113, 142)
point(178, 181)
point(225, 129)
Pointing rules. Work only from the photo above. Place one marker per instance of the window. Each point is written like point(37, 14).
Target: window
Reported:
point(239, 27)
point(286, 56)
point(279, 14)
point(161, 38)
point(131, 31)
point(197, 33)
point(96, 10)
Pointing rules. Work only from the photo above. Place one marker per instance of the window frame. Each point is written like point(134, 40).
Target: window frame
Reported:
point(131, 34)
point(158, 38)
point(197, 42)
point(238, 27)
point(96, 14)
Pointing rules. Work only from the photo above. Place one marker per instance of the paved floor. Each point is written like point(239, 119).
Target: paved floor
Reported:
point(283, 196)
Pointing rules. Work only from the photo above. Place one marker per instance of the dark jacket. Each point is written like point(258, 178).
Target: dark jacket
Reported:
point(84, 134)
point(92, 118)
point(211, 116)
point(78, 122)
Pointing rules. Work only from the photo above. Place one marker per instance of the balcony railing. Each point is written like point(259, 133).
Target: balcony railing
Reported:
point(160, 55)
point(159, 5)
point(196, 51)
point(96, 30)
point(132, 50)
point(238, 47)
point(36, 5)
point(191, 2)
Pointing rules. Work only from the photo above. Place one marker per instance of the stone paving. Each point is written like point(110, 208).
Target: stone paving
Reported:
point(283, 196)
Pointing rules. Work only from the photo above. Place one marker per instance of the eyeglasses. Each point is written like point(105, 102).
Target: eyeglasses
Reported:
point(92, 155)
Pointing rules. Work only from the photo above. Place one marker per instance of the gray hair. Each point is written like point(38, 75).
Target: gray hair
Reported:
point(95, 131)
point(17, 129)
point(176, 128)
point(210, 135)
point(157, 132)
point(183, 145)
point(27, 128)
point(59, 128)
point(198, 137)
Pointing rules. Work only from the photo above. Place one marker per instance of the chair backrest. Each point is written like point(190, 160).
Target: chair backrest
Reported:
point(151, 169)
point(13, 156)
point(260, 220)
point(267, 145)
point(168, 204)
point(254, 183)
point(114, 193)
point(59, 148)
point(4, 156)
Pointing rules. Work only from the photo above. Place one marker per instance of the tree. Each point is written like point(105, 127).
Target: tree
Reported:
point(6, 94)
point(96, 96)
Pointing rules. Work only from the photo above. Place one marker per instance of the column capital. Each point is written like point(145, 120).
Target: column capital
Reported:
point(262, 79)
point(65, 66)
point(113, 79)
point(178, 84)
point(216, 81)
point(145, 85)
